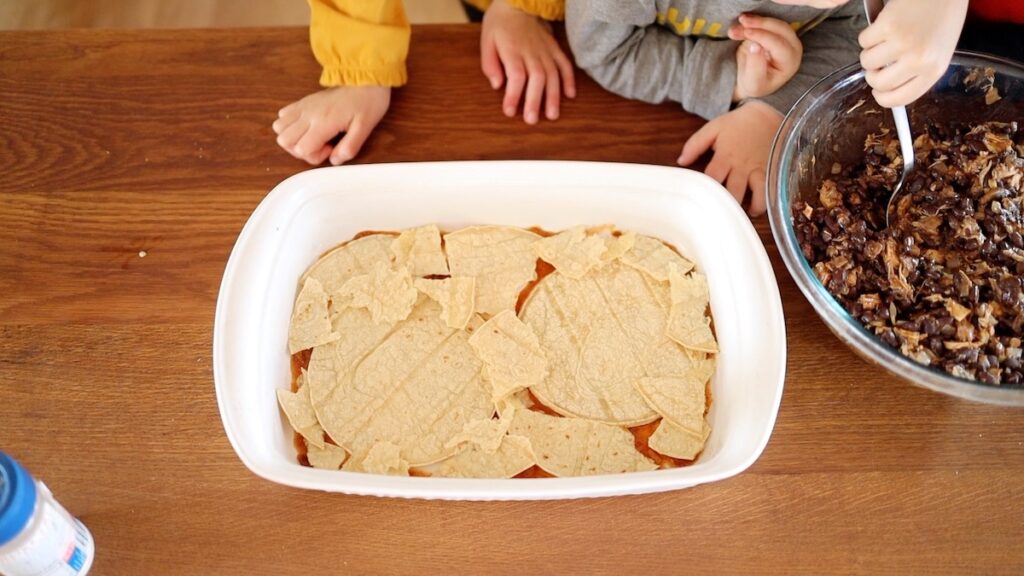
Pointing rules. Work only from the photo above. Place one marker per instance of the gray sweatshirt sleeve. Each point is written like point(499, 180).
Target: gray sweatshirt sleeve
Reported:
point(827, 47)
point(619, 45)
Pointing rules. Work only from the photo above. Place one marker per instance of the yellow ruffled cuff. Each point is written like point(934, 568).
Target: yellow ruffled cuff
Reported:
point(546, 9)
point(360, 42)
point(384, 76)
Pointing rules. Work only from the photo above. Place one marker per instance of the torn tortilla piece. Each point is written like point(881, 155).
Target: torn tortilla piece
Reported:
point(677, 442)
point(328, 457)
point(457, 297)
point(311, 322)
point(507, 406)
point(501, 258)
point(388, 294)
point(299, 411)
point(704, 366)
point(617, 246)
point(351, 259)
point(688, 323)
point(419, 249)
point(576, 447)
point(511, 353)
point(383, 458)
point(652, 256)
point(572, 252)
point(513, 455)
point(487, 433)
point(680, 400)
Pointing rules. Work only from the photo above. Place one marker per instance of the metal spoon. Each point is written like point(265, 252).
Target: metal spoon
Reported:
point(899, 115)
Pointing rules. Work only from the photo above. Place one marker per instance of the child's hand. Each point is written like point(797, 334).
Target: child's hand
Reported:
point(742, 140)
point(767, 58)
point(909, 47)
point(304, 127)
point(517, 49)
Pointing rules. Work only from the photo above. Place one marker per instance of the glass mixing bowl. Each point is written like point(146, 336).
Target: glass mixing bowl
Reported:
point(829, 124)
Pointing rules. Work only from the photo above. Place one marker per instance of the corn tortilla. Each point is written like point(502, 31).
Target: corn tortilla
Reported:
point(388, 294)
point(572, 252)
point(652, 257)
point(501, 258)
point(311, 318)
point(419, 249)
point(353, 258)
point(457, 297)
point(415, 386)
point(600, 334)
point(577, 447)
point(511, 353)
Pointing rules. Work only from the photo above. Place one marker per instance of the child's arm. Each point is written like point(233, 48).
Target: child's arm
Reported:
point(620, 46)
point(518, 50)
point(909, 47)
point(362, 46)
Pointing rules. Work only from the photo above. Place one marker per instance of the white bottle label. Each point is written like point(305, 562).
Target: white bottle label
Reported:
point(60, 546)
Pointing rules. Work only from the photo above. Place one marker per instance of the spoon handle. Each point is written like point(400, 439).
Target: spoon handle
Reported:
point(873, 8)
point(899, 116)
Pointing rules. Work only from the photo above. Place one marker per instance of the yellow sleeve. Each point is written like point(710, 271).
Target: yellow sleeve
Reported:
point(546, 9)
point(360, 42)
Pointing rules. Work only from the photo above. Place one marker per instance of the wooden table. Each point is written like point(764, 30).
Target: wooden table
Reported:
point(115, 144)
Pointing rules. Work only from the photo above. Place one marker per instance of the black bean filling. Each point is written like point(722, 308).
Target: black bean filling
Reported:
point(943, 285)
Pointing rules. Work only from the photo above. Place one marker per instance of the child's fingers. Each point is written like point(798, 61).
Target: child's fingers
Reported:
point(490, 63)
point(879, 56)
point(319, 156)
point(903, 95)
point(566, 71)
point(314, 139)
point(534, 92)
point(891, 77)
point(286, 116)
point(781, 50)
point(552, 94)
point(718, 169)
point(773, 25)
point(291, 134)
point(873, 35)
point(287, 110)
point(351, 143)
point(736, 183)
point(758, 201)
point(753, 71)
point(515, 79)
point(698, 144)
point(281, 123)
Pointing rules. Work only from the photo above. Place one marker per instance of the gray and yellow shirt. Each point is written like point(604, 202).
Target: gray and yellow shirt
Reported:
point(657, 50)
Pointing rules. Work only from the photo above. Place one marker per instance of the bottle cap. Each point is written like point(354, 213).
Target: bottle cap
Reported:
point(17, 498)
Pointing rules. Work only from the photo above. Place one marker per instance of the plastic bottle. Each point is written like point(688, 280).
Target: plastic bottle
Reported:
point(37, 535)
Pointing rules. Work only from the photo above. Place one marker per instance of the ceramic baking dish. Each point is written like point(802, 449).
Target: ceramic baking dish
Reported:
point(313, 211)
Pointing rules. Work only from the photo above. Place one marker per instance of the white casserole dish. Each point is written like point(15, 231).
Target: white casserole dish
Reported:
point(313, 211)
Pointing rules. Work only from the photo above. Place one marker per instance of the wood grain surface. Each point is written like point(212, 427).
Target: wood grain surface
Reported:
point(112, 143)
